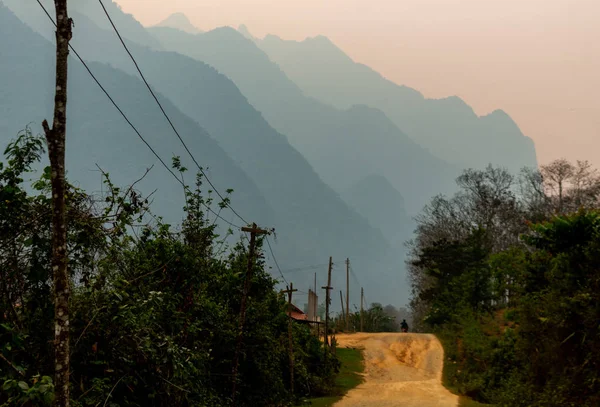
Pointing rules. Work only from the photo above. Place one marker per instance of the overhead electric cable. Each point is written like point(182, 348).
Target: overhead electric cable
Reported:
point(129, 121)
point(165, 113)
point(168, 120)
point(275, 260)
point(306, 268)
point(356, 280)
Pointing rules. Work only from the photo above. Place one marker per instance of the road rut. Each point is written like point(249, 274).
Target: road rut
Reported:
point(401, 369)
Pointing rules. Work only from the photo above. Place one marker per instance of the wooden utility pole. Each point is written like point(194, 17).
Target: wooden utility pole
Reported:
point(253, 230)
point(289, 292)
point(362, 296)
point(316, 305)
point(327, 301)
point(342, 303)
point(348, 295)
point(56, 139)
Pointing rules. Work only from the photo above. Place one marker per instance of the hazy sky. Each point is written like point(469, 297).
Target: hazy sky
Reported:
point(537, 59)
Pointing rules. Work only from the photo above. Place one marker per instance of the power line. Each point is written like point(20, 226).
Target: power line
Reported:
point(357, 282)
point(307, 268)
point(165, 113)
point(170, 123)
point(129, 121)
point(113, 102)
point(275, 260)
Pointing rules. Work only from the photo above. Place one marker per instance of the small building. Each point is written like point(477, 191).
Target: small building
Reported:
point(297, 314)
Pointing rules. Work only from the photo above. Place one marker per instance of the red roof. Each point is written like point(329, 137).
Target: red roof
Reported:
point(296, 313)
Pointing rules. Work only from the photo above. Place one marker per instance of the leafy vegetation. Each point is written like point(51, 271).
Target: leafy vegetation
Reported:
point(352, 365)
point(506, 274)
point(375, 318)
point(467, 402)
point(154, 309)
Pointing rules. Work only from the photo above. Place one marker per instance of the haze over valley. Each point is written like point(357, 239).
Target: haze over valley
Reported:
point(311, 142)
point(188, 187)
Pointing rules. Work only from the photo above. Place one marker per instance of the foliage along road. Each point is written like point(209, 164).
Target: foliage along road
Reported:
point(401, 369)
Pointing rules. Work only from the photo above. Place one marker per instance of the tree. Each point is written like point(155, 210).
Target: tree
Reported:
point(153, 311)
point(556, 175)
point(454, 235)
point(507, 278)
point(486, 200)
point(532, 195)
point(56, 137)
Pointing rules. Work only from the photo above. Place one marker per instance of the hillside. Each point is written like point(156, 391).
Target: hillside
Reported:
point(448, 127)
point(311, 220)
point(131, 28)
point(97, 134)
point(342, 145)
point(375, 198)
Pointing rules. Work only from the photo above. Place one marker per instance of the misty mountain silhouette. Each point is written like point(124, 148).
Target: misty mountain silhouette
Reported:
point(179, 21)
point(311, 220)
point(130, 28)
point(447, 127)
point(97, 134)
point(342, 145)
point(242, 29)
point(376, 199)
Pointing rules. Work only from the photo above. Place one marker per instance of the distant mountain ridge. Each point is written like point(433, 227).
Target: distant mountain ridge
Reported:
point(342, 145)
point(375, 198)
point(179, 21)
point(32, 15)
point(97, 134)
point(311, 220)
point(448, 127)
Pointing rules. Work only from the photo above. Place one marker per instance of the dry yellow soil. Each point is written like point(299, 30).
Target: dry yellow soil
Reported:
point(401, 370)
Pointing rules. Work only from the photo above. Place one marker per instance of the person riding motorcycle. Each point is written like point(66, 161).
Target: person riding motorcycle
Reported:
point(404, 326)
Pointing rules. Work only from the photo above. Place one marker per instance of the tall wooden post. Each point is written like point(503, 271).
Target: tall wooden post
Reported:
point(342, 303)
point(362, 296)
point(348, 295)
point(316, 300)
point(56, 139)
point(254, 230)
point(327, 301)
point(289, 292)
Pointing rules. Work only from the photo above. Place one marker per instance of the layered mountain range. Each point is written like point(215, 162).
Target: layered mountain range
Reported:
point(343, 145)
point(448, 127)
point(336, 176)
point(224, 131)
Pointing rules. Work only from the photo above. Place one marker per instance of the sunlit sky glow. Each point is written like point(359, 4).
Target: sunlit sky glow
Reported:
point(537, 59)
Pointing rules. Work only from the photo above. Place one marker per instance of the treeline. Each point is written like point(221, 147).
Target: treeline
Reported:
point(155, 310)
point(375, 318)
point(507, 273)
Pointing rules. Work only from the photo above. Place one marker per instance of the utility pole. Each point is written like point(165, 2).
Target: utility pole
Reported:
point(56, 140)
point(362, 296)
point(316, 298)
point(327, 301)
point(348, 295)
point(289, 292)
point(342, 303)
point(253, 230)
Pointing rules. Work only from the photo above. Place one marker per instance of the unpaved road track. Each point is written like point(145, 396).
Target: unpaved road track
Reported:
point(401, 370)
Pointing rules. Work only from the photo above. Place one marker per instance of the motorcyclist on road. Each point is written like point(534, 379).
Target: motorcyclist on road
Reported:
point(404, 326)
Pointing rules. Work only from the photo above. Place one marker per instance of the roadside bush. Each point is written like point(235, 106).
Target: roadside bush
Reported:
point(154, 311)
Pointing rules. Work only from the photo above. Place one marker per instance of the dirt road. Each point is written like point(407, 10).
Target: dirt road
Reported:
point(401, 370)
